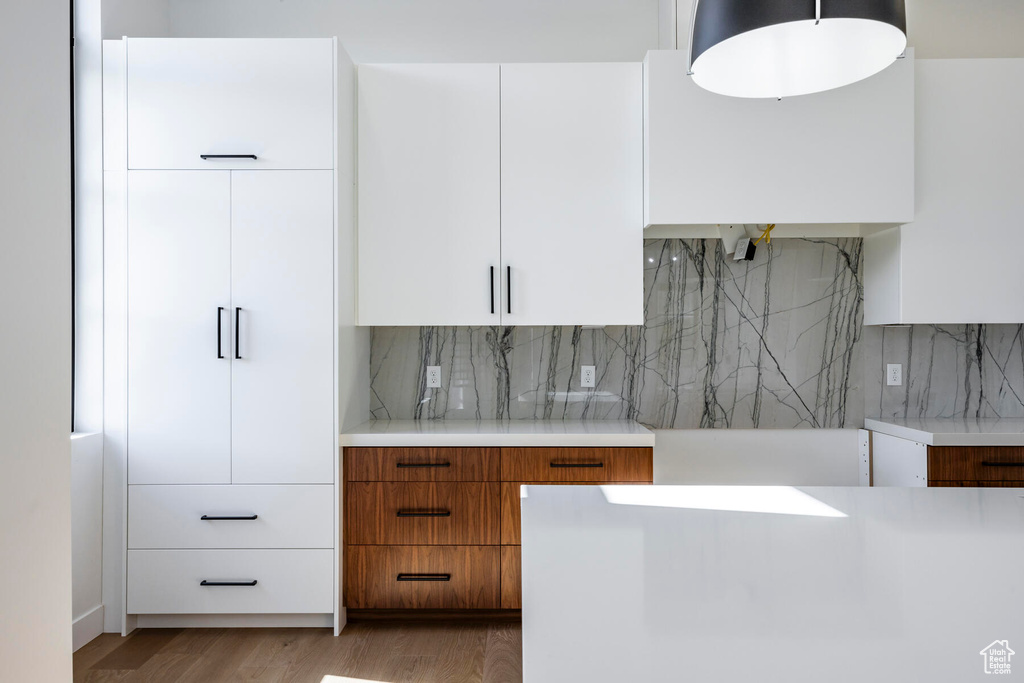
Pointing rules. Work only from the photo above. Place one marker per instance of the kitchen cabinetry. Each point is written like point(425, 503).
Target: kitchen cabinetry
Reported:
point(189, 98)
point(905, 462)
point(500, 195)
point(438, 528)
point(231, 419)
point(229, 379)
point(429, 194)
point(843, 156)
point(957, 262)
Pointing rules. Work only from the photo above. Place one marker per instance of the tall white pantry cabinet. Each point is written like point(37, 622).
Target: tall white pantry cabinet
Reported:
point(227, 200)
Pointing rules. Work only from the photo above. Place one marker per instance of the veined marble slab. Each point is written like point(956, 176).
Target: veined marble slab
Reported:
point(949, 371)
point(770, 343)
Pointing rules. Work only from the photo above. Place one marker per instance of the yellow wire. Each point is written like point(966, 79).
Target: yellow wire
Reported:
point(766, 235)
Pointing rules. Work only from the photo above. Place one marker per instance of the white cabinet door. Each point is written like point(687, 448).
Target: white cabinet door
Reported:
point(958, 261)
point(282, 297)
point(179, 404)
point(270, 98)
point(572, 194)
point(842, 156)
point(429, 194)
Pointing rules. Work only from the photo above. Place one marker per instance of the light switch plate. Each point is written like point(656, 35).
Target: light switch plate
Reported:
point(894, 375)
point(433, 376)
point(587, 375)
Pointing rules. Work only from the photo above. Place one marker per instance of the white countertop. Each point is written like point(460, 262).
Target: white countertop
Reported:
point(956, 431)
point(586, 433)
point(769, 583)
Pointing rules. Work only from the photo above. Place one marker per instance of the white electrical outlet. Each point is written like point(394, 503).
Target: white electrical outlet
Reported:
point(587, 375)
point(433, 376)
point(894, 375)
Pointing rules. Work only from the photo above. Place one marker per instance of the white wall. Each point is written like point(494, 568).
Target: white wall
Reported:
point(136, 18)
point(793, 457)
point(86, 537)
point(35, 342)
point(438, 30)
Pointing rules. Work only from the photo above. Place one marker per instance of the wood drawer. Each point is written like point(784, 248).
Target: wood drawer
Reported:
point(978, 484)
point(291, 516)
point(421, 513)
point(590, 465)
point(399, 577)
point(511, 577)
point(975, 463)
point(421, 464)
point(511, 512)
point(287, 581)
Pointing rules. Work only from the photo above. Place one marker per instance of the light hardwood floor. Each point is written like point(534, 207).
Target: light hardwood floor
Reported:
point(371, 651)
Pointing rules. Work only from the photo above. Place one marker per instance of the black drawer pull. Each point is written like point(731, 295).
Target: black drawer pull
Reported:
point(239, 518)
point(424, 577)
point(204, 582)
point(424, 513)
point(207, 157)
point(402, 465)
point(1003, 464)
point(577, 464)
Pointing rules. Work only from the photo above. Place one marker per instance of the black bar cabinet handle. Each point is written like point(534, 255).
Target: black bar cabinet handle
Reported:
point(509, 275)
point(424, 513)
point(403, 465)
point(238, 354)
point(492, 290)
point(204, 582)
point(423, 577)
point(577, 464)
point(1003, 464)
point(239, 518)
point(220, 314)
point(227, 156)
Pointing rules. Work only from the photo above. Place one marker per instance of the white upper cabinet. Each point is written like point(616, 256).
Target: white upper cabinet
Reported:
point(958, 262)
point(429, 194)
point(273, 99)
point(842, 156)
point(572, 194)
point(282, 298)
point(470, 180)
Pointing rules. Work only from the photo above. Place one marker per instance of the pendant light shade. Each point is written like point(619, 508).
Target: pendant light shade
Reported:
point(782, 48)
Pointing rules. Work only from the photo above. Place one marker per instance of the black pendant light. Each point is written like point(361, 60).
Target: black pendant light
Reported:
point(781, 48)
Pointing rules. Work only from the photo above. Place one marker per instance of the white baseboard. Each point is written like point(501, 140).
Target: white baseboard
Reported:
point(234, 620)
point(86, 627)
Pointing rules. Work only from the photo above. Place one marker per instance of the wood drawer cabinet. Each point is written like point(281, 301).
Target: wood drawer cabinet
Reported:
point(975, 464)
point(422, 577)
point(597, 465)
point(421, 464)
point(423, 513)
point(439, 528)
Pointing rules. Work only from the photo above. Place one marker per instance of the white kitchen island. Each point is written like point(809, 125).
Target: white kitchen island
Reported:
point(665, 583)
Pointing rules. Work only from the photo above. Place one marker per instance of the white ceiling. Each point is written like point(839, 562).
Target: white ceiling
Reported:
point(522, 30)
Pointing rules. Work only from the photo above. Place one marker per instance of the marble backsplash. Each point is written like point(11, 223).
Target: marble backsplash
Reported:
point(948, 371)
point(773, 343)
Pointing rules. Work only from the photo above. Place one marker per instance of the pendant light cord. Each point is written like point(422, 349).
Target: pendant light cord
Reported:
point(689, 43)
